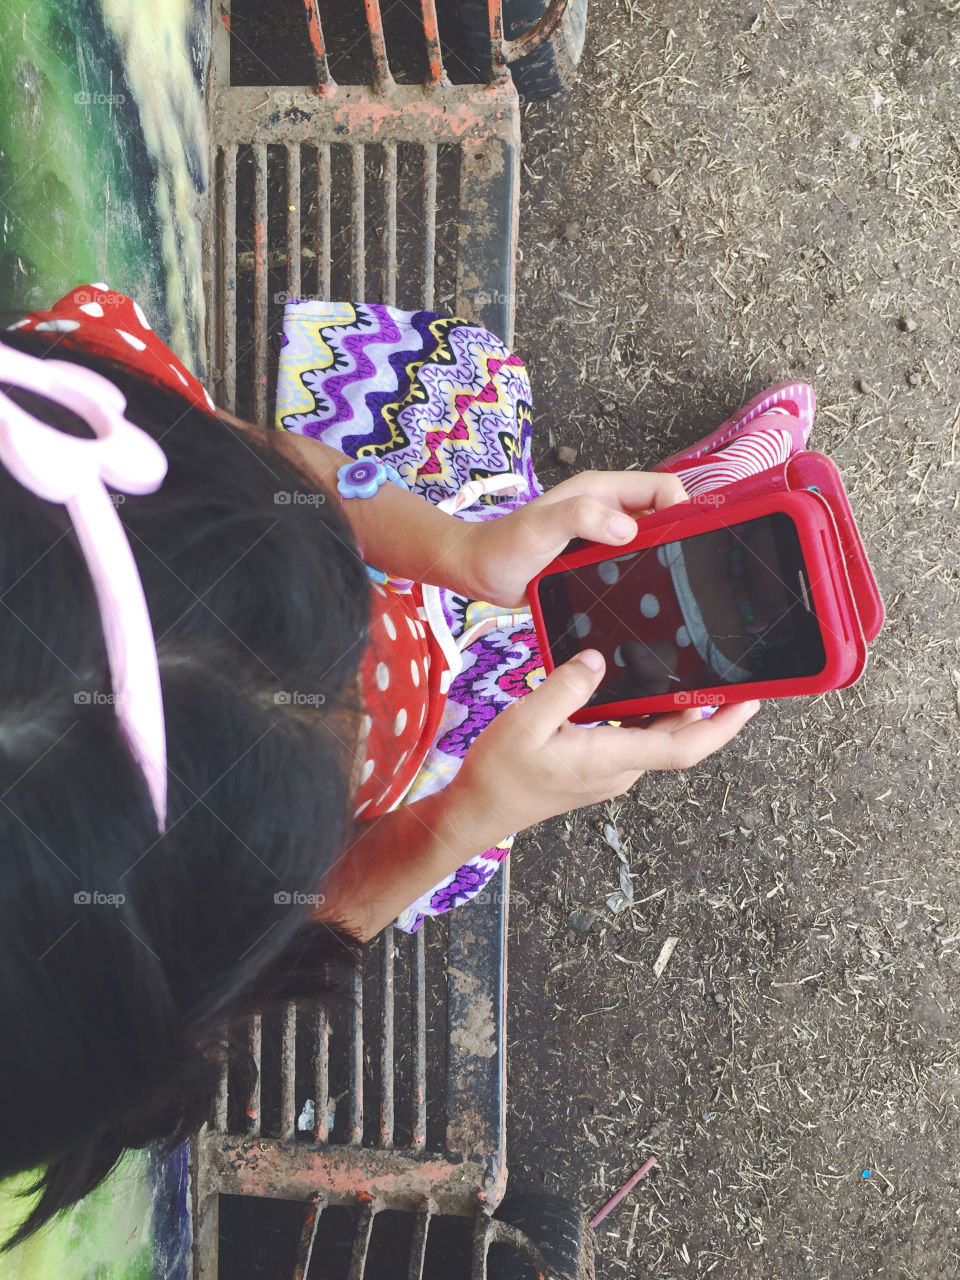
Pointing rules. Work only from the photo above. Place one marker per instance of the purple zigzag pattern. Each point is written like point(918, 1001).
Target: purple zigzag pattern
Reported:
point(467, 882)
point(400, 362)
point(354, 343)
point(491, 652)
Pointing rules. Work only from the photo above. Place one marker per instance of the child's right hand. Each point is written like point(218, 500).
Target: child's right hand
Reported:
point(531, 763)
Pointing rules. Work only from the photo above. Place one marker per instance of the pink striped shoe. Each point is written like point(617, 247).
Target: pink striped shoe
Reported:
point(793, 403)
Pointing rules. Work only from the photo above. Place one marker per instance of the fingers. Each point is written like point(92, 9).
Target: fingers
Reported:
point(565, 690)
point(696, 739)
point(676, 741)
point(634, 491)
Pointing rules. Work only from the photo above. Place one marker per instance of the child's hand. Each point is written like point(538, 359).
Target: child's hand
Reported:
point(505, 554)
point(531, 763)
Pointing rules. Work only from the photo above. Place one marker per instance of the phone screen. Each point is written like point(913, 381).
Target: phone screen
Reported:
point(729, 606)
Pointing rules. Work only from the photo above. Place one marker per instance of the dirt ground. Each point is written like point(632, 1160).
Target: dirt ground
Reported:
point(734, 195)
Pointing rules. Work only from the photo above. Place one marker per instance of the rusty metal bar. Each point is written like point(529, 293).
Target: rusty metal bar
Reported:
point(355, 1115)
point(482, 1236)
point(382, 77)
point(358, 265)
point(228, 294)
point(361, 1241)
point(498, 64)
point(400, 1179)
point(431, 31)
point(254, 1044)
point(308, 1234)
point(389, 241)
point(260, 282)
point(403, 114)
point(219, 1117)
point(293, 221)
point(321, 1075)
point(387, 1045)
point(539, 33)
point(323, 220)
point(315, 33)
point(429, 223)
point(490, 1231)
point(418, 1246)
point(418, 1001)
point(288, 1071)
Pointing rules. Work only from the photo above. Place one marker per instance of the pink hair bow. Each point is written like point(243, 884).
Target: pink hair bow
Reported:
point(75, 472)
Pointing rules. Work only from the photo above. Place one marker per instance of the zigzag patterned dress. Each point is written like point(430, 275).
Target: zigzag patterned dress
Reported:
point(447, 405)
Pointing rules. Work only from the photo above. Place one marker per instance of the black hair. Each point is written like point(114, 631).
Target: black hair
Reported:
point(127, 956)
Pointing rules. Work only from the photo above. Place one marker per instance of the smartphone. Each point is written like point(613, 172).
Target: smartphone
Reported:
point(713, 608)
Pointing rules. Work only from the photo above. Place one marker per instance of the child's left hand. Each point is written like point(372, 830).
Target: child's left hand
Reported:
point(601, 506)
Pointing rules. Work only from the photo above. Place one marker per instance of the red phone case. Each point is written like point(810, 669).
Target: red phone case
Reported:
point(845, 596)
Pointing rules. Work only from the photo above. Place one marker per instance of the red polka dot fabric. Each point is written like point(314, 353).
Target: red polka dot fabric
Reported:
point(97, 319)
point(403, 664)
point(401, 674)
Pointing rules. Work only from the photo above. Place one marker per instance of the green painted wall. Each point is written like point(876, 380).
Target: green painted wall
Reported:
point(103, 172)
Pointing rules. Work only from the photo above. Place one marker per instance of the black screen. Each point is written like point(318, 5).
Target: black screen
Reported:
point(729, 606)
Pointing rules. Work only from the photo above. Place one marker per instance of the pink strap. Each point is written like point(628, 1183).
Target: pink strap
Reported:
point(75, 472)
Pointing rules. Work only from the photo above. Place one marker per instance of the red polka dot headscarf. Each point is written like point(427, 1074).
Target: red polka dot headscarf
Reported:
point(95, 318)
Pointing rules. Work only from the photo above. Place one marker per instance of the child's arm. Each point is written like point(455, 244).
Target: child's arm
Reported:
point(528, 765)
point(493, 560)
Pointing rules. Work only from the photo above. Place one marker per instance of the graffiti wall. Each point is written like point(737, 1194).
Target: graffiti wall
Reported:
point(103, 175)
point(103, 155)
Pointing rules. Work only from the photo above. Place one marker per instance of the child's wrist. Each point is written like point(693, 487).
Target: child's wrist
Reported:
point(460, 560)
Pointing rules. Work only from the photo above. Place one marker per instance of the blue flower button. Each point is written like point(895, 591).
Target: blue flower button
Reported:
point(363, 478)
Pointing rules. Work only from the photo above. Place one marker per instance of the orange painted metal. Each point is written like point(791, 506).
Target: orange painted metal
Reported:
point(431, 33)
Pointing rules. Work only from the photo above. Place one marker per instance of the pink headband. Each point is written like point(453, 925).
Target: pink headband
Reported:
point(75, 472)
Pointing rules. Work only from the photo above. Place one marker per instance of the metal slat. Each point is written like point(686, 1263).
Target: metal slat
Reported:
point(355, 1115)
point(219, 1118)
point(323, 220)
point(429, 223)
point(288, 1071)
point(228, 271)
point(418, 1001)
point(317, 45)
point(254, 1044)
point(308, 1234)
point(431, 33)
point(321, 1075)
point(418, 1246)
point(387, 1046)
point(361, 1241)
point(293, 221)
point(358, 265)
point(382, 79)
point(260, 282)
point(389, 240)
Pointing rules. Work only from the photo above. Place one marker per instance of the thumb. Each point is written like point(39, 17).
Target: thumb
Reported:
point(565, 690)
point(582, 516)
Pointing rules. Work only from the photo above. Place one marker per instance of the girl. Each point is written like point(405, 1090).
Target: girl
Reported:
point(148, 909)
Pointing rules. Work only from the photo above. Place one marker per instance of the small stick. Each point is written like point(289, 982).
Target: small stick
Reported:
point(624, 1191)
